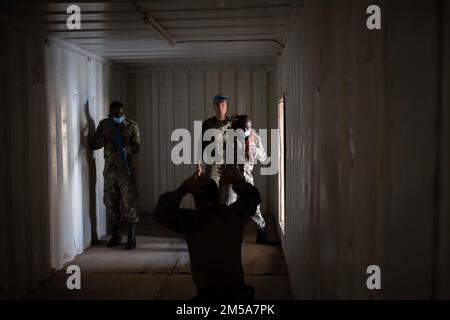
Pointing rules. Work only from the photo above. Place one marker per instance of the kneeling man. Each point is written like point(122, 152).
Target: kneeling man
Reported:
point(213, 232)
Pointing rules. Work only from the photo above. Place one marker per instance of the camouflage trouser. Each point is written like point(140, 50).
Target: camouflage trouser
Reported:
point(229, 196)
point(120, 197)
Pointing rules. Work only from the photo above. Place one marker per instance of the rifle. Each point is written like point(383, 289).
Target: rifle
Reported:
point(119, 146)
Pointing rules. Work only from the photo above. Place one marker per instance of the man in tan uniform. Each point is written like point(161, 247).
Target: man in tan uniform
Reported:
point(120, 139)
point(221, 122)
point(254, 152)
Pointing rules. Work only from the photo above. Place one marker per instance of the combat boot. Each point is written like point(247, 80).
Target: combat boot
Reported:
point(115, 237)
point(131, 242)
point(263, 238)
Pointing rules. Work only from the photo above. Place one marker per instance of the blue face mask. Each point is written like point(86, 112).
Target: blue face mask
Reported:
point(119, 120)
point(245, 134)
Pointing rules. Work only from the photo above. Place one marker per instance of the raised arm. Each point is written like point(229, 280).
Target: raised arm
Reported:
point(260, 152)
point(248, 199)
point(167, 210)
point(169, 214)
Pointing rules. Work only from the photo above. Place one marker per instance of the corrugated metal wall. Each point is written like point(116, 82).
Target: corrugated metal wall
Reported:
point(367, 180)
point(25, 254)
point(80, 91)
point(170, 98)
point(442, 277)
point(52, 96)
point(362, 109)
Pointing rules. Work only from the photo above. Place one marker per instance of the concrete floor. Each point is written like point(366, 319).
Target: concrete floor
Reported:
point(159, 269)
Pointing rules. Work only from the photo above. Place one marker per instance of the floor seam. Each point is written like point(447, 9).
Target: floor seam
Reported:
point(166, 281)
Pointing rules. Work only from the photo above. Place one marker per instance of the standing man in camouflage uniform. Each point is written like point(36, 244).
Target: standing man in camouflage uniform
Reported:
point(120, 139)
point(219, 121)
point(222, 122)
point(254, 152)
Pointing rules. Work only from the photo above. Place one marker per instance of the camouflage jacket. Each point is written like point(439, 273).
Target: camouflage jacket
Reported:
point(104, 138)
point(256, 151)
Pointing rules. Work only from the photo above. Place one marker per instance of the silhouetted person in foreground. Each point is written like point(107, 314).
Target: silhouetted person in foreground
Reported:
point(213, 232)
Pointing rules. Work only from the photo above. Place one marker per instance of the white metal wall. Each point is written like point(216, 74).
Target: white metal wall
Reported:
point(52, 96)
point(170, 98)
point(361, 151)
point(80, 91)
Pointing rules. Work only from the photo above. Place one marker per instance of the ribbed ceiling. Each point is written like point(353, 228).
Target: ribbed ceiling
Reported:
point(200, 29)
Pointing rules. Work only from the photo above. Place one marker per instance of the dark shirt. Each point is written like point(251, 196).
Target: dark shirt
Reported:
point(214, 238)
point(212, 123)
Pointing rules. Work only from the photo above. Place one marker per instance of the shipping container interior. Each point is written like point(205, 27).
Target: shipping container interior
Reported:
point(362, 153)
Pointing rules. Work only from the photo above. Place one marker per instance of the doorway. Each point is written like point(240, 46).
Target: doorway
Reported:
point(281, 164)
